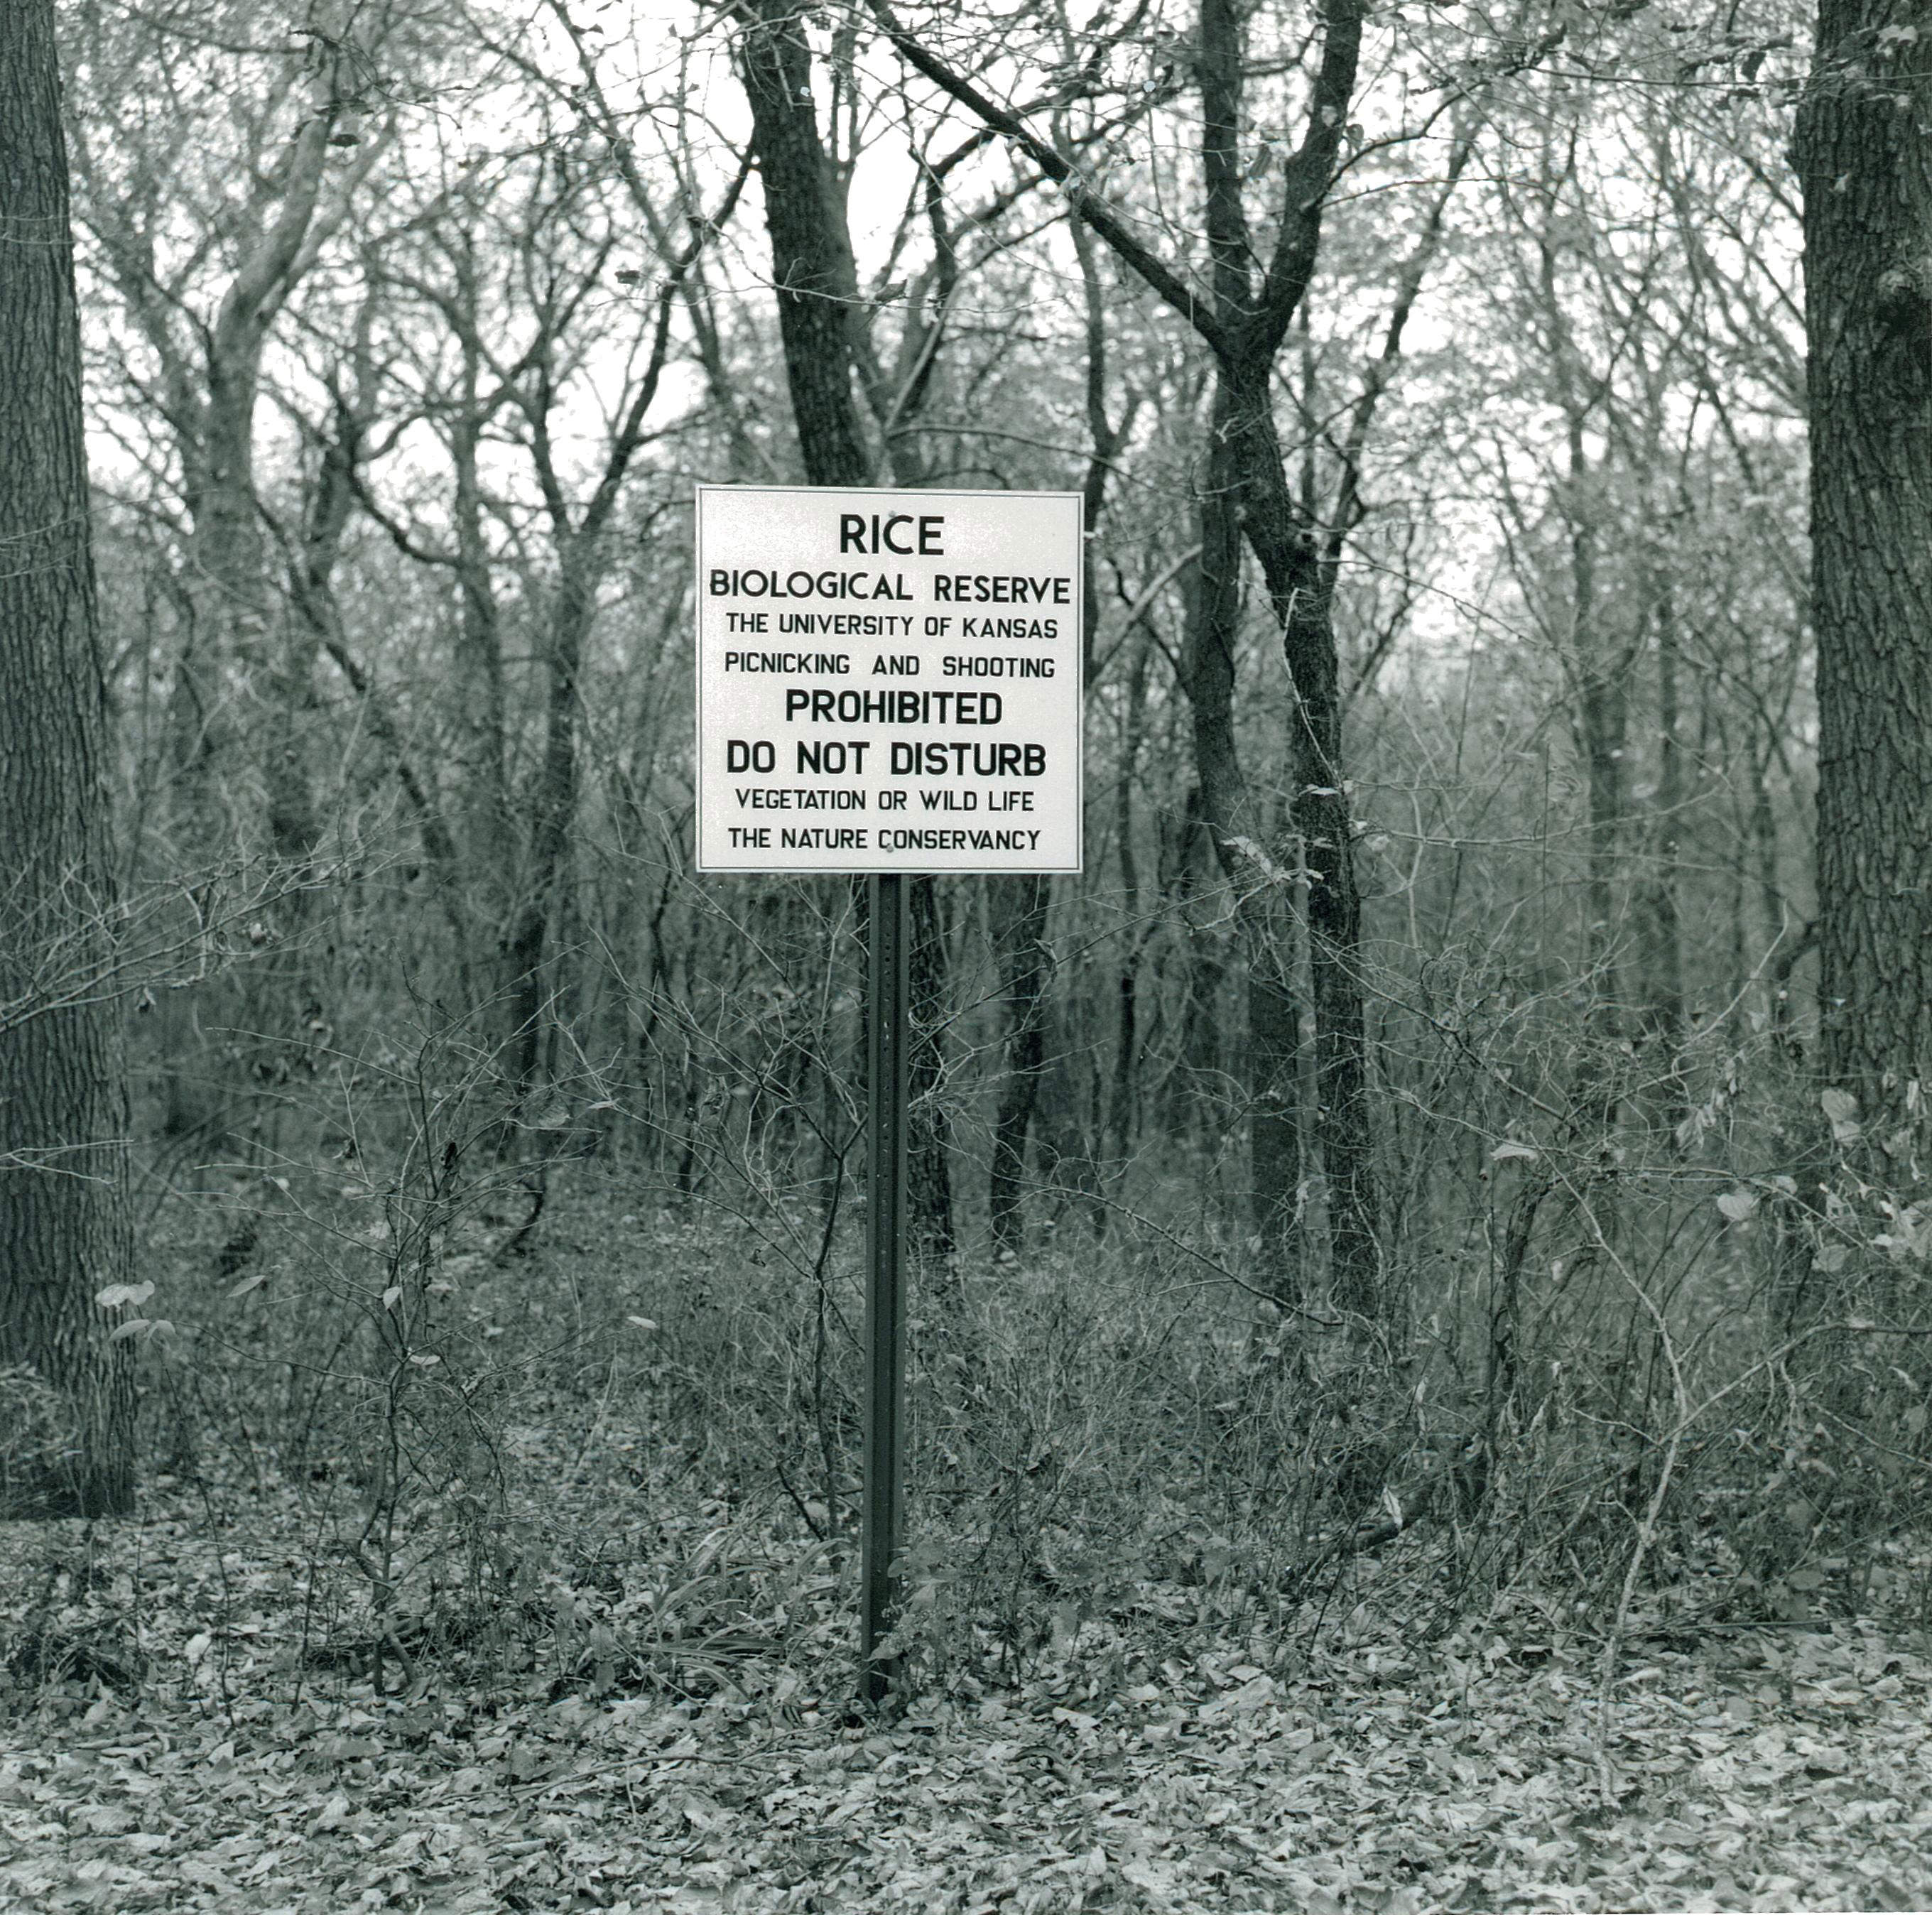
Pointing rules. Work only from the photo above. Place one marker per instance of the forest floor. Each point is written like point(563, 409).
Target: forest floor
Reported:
point(177, 1737)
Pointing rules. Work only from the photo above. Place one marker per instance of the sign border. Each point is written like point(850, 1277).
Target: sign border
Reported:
point(1078, 673)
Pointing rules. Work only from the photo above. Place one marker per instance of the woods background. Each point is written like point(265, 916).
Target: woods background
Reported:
point(1411, 1164)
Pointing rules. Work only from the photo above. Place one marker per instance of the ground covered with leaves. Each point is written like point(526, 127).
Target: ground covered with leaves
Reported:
point(195, 1722)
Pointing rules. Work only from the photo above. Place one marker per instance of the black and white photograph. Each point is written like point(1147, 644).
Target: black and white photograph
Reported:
point(966, 957)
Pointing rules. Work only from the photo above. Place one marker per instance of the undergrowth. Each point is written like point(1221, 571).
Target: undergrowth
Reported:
point(617, 1452)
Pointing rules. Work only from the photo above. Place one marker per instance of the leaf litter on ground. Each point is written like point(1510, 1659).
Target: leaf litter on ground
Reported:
point(188, 1763)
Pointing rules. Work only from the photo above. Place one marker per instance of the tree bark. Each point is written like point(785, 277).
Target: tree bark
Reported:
point(1867, 170)
point(64, 1219)
point(811, 252)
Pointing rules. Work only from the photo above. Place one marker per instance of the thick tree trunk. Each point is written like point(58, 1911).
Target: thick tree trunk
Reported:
point(1600, 663)
point(64, 1221)
point(1273, 1087)
point(1867, 170)
point(237, 598)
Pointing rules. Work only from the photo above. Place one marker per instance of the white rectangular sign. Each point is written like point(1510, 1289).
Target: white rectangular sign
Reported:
point(888, 681)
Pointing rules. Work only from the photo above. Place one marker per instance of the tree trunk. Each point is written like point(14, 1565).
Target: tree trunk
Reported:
point(811, 253)
point(533, 929)
point(1603, 719)
point(1249, 484)
point(1662, 928)
point(1301, 590)
point(818, 288)
point(1026, 965)
point(64, 1219)
point(929, 1172)
point(1196, 1099)
point(1123, 1112)
point(1867, 169)
point(1274, 1138)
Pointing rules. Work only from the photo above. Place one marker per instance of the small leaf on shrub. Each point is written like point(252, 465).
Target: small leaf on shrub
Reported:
point(248, 1283)
point(1740, 1206)
point(1509, 1148)
point(1841, 1109)
point(642, 1322)
point(136, 1326)
point(116, 1294)
point(392, 1296)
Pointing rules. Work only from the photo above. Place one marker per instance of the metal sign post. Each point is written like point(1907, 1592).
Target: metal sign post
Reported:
point(886, 989)
point(888, 682)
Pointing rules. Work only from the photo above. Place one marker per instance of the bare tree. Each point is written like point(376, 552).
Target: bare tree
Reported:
point(1243, 317)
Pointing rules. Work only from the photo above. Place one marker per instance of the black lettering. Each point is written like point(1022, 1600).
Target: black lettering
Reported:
point(742, 755)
